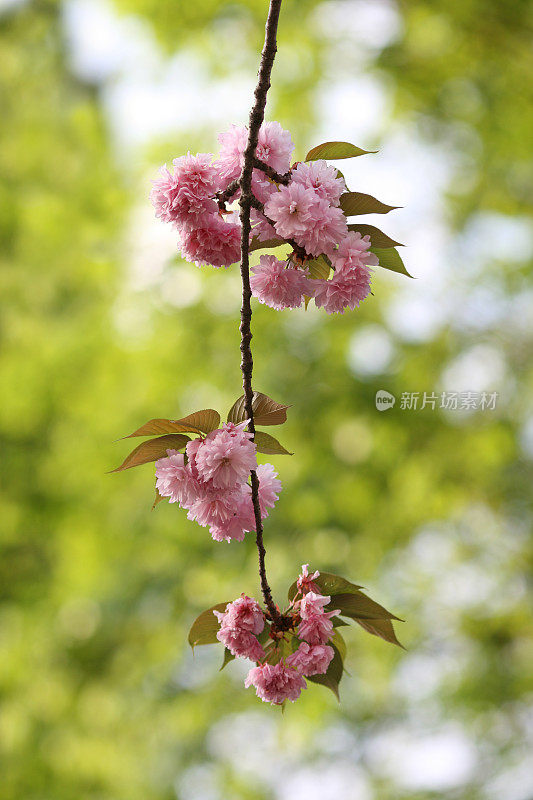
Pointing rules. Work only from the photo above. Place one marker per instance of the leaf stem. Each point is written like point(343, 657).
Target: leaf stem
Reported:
point(246, 200)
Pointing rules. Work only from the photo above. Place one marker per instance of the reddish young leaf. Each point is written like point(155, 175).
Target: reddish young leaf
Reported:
point(199, 422)
point(152, 450)
point(266, 411)
point(158, 498)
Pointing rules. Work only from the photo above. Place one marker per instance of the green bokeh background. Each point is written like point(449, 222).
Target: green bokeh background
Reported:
point(102, 328)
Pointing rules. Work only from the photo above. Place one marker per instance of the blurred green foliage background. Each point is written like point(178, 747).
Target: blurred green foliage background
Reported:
point(103, 327)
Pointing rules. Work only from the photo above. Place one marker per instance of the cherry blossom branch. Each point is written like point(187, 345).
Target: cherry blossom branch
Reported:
point(271, 173)
point(227, 194)
point(245, 203)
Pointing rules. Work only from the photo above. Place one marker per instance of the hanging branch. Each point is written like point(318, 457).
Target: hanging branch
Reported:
point(246, 201)
point(208, 467)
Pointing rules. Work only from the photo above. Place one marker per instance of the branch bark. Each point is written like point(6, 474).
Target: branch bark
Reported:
point(257, 115)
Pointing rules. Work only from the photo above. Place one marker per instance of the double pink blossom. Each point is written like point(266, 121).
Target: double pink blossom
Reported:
point(279, 285)
point(174, 480)
point(306, 582)
point(240, 624)
point(274, 148)
point(322, 177)
point(245, 613)
point(185, 196)
point(353, 253)
point(344, 290)
point(303, 208)
point(315, 626)
point(226, 456)
point(211, 482)
point(212, 242)
point(311, 659)
point(275, 683)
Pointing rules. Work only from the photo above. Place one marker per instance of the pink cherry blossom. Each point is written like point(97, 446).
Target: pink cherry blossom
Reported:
point(226, 456)
point(275, 683)
point(215, 242)
point(305, 582)
point(321, 177)
point(213, 507)
point(174, 480)
point(311, 659)
point(269, 485)
point(343, 290)
point(279, 286)
point(315, 626)
point(313, 603)
point(241, 518)
point(262, 229)
point(232, 146)
point(185, 197)
point(292, 210)
point(244, 613)
point(241, 642)
point(274, 146)
point(325, 228)
point(352, 253)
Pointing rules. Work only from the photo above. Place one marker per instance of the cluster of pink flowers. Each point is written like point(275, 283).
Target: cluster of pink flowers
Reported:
point(305, 211)
point(211, 481)
point(240, 624)
point(243, 620)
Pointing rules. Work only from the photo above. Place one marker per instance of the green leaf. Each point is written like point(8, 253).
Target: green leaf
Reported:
point(382, 628)
point(227, 657)
point(266, 443)
point(266, 411)
point(389, 258)
point(255, 244)
point(358, 606)
point(205, 627)
point(264, 635)
point(337, 640)
point(199, 422)
point(334, 150)
point(338, 622)
point(333, 676)
point(152, 450)
point(273, 653)
point(319, 268)
point(359, 203)
point(329, 584)
point(377, 237)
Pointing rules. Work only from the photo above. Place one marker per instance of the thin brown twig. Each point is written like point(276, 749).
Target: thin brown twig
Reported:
point(227, 194)
point(257, 115)
point(271, 173)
